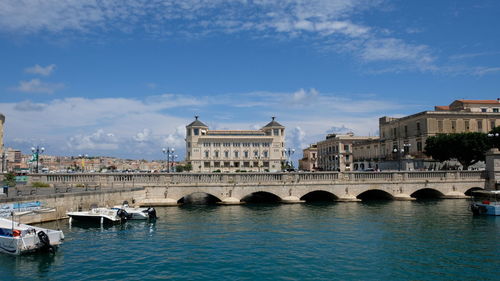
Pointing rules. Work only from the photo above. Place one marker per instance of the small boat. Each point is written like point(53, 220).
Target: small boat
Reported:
point(486, 206)
point(137, 213)
point(100, 215)
point(17, 238)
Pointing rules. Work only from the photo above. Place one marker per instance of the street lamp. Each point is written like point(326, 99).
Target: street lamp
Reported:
point(401, 152)
point(4, 162)
point(288, 153)
point(170, 156)
point(83, 156)
point(36, 153)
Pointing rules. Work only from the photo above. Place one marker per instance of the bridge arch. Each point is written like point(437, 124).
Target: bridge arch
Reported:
point(319, 196)
point(199, 198)
point(427, 193)
point(469, 191)
point(375, 194)
point(261, 197)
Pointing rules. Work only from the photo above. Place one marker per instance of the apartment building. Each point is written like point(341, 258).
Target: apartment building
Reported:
point(335, 153)
point(309, 161)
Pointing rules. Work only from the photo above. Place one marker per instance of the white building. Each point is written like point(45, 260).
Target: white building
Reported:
point(235, 150)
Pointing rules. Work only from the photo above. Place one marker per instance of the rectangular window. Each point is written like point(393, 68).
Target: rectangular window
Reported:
point(440, 126)
point(266, 154)
point(484, 109)
point(467, 126)
point(418, 128)
point(453, 125)
point(206, 164)
point(246, 164)
point(419, 146)
point(236, 144)
point(255, 144)
point(196, 131)
point(217, 144)
point(226, 165)
point(216, 164)
point(406, 131)
point(346, 147)
point(495, 110)
point(492, 124)
point(236, 154)
point(256, 153)
point(245, 154)
point(276, 132)
point(206, 154)
point(394, 132)
point(256, 164)
point(479, 125)
point(226, 154)
point(227, 144)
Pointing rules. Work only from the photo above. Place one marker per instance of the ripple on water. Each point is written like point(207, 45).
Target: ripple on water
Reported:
point(424, 240)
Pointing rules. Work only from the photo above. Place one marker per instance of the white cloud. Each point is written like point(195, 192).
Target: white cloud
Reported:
point(38, 86)
point(486, 70)
point(99, 140)
point(40, 70)
point(140, 128)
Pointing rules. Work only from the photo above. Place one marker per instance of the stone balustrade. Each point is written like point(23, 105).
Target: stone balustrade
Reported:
point(167, 179)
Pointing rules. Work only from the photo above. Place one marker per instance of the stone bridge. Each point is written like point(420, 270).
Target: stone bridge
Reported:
point(236, 188)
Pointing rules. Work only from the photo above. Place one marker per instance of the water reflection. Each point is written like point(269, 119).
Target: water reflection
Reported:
point(423, 239)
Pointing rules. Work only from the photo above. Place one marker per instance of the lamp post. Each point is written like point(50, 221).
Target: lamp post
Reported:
point(4, 162)
point(169, 151)
point(401, 152)
point(494, 139)
point(288, 153)
point(36, 153)
point(83, 156)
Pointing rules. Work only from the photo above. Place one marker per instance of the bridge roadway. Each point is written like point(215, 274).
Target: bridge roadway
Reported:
point(171, 188)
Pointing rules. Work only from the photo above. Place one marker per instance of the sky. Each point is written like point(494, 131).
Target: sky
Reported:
point(124, 77)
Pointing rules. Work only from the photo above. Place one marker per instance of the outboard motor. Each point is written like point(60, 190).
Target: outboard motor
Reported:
point(44, 242)
point(474, 208)
point(123, 215)
point(151, 213)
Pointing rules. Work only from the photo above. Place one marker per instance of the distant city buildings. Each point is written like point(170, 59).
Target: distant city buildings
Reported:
point(3, 164)
point(235, 150)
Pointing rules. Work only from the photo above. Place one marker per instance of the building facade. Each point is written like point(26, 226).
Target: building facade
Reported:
point(335, 153)
point(406, 136)
point(235, 150)
point(309, 161)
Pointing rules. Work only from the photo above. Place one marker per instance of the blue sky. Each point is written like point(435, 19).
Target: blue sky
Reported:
point(123, 78)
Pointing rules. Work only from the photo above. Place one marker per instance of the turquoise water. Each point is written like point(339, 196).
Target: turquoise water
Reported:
point(422, 240)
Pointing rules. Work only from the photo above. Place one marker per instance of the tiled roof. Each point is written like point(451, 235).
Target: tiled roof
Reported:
point(197, 123)
point(480, 101)
point(273, 124)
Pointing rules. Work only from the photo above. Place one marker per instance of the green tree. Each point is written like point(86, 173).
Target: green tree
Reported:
point(9, 179)
point(466, 148)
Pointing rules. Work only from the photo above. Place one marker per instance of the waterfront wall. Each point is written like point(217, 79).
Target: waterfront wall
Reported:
point(73, 201)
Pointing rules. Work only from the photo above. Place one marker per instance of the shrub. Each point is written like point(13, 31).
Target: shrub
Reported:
point(40, 184)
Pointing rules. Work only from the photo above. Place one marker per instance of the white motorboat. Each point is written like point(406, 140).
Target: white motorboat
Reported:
point(136, 213)
point(17, 238)
point(100, 215)
point(489, 206)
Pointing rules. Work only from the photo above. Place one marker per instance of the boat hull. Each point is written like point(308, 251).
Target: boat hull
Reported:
point(485, 209)
point(16, 238)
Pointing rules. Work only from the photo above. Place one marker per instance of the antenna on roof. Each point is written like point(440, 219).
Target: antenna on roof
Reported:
point(196, 117)
point(274, 117)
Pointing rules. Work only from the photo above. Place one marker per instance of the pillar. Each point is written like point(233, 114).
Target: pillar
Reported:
point(493, 169)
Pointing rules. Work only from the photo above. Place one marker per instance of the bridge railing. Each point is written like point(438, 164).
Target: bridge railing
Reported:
point(151, 179)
